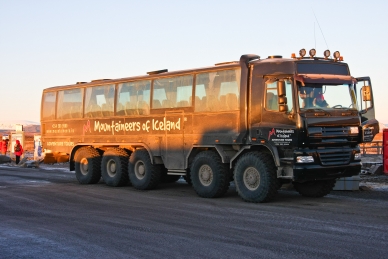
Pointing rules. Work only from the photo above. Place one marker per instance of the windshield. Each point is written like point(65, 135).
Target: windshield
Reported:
point(327, 97)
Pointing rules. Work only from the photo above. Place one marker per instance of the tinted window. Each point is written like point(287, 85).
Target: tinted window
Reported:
point(99, 101)
point(69, 104)
point(133, 98)
point(172, 92)
point(218, 91)
point(310, 68)
point(48, 109)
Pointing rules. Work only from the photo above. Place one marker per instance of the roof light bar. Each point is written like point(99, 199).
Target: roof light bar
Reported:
point(302, 53)
point(326, 54)
point(312, 52)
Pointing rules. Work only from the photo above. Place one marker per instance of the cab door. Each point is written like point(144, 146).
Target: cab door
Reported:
point(366, 108)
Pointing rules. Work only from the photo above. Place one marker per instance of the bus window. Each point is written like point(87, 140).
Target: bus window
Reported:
point(69, 104)
point(133, 98)
point(99, 101)
point(218, 91)
point(172, 92)
point(48, 109)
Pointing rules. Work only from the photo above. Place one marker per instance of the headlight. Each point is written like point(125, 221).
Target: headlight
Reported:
point(357, 156)
point(353, 130)
point(304, 159)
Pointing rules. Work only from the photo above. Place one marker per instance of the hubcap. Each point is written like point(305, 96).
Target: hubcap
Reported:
point(251, 178)
point(140, 170)
point(205, 175)
point(111, 168)
point(84, 167)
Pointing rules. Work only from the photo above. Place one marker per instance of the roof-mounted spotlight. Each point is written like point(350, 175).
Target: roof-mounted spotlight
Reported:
point(326, 54)
point(336, 55)
point(302, 53)
point(312, 52)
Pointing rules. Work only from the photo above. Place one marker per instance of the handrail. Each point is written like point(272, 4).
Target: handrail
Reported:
point(374, 147)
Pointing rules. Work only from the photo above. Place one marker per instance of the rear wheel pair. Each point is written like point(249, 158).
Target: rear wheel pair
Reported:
point(112, 166)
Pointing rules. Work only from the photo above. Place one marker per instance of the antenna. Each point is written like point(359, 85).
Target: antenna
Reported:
point(315, 39)
point(319, 29)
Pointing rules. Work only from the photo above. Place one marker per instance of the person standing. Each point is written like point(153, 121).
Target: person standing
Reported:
point(4, 147)
point(18, 150)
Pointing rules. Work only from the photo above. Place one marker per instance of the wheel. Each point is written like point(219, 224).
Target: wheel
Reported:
point(255, 177)
point(114, 167)
point(142, 173)
point(209, 175)
point(315, 188)
point(87, 165)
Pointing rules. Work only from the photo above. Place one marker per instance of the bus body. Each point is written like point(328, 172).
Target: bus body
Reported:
point(259, 122)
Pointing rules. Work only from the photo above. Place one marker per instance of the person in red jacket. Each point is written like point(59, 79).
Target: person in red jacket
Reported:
point(18, 150)
point(4, 147)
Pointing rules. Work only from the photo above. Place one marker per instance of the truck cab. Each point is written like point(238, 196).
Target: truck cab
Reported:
point(311, 114)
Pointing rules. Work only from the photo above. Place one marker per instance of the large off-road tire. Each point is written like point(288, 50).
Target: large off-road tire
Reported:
point(209, 176)
point(114, 167)
point(87, 165)
point(142, 173)
point(315, 188)
point(255, 177)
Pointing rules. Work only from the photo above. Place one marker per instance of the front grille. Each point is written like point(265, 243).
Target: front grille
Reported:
point(331, 135)
point(335, 157)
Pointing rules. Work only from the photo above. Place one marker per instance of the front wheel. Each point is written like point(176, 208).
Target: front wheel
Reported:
point(114, 167)
point(87, 165)
point(209, 176)
point(143, 174)
point(315, 188)
point(255, 177)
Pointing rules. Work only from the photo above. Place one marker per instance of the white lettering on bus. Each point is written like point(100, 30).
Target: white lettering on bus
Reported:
point(162, 125)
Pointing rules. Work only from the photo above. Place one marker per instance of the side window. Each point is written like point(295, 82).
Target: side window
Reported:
point(48, 108)
point(172, 92)
point(290, 101)
point(99, 101)
point(218, 91)
point(272, 96)
point(133, 98)
point(69, 104)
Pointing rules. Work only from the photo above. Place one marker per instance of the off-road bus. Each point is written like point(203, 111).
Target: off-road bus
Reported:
point(258, 122)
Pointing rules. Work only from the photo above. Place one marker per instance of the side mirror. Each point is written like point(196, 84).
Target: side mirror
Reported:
point(283, 108)
point(282, 99)
point(366, 93)
point(281, 88)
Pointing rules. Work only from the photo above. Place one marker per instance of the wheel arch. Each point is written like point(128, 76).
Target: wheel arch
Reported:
point(260, 148)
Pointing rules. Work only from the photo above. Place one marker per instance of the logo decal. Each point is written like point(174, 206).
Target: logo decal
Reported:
point(272, 132)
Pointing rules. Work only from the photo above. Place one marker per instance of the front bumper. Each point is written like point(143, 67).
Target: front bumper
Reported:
point(329, 163)
point(304, 173)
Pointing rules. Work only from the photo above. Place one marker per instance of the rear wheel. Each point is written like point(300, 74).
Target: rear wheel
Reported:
point(143, 174)
point(209, 176)
point(114, 167)
point(255, 177)
point(315, 188)
point(87, 165)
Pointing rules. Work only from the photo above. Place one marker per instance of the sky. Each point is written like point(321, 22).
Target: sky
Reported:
point(45, 43)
